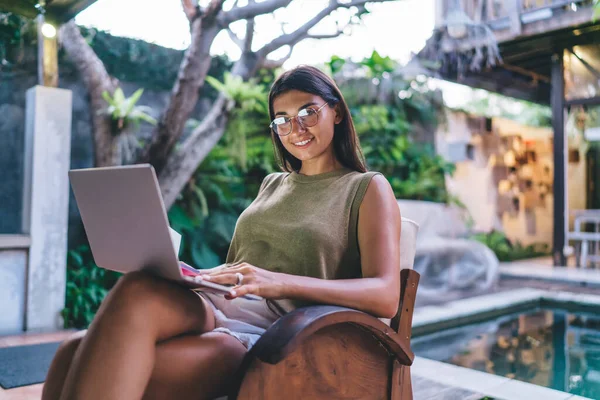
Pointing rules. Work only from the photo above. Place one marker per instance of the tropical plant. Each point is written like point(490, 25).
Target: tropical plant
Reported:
point(507, 251)
point(335, 64)
point(377, 65)
point(87, 285)
point(250, 99)
point(387, 133)
point(124, 111)
point(12, 30)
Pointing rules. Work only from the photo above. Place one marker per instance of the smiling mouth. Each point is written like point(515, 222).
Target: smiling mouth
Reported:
point(304, 142)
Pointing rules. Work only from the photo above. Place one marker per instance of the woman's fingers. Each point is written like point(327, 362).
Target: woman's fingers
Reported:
point(222, 278)
point(239, 291)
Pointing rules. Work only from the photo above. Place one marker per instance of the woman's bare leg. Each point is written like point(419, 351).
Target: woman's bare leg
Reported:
point(116, 357)
point(204, 368)
point(194, 366)
point(57, 373)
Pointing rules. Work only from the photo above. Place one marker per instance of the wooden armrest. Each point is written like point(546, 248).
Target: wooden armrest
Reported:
point(287, 333)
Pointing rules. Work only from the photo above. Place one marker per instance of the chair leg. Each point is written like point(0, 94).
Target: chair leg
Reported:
point(584, 253)
point(401, 383)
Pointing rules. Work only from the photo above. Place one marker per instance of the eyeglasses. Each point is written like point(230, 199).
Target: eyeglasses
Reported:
point(306, 118)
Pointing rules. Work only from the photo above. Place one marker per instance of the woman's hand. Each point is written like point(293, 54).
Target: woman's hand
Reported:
point(254, 280)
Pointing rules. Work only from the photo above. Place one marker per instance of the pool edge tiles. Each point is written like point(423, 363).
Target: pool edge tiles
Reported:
point(433, 318)
point(587, 277)
point(565, 298)
point(473, 309)
point(487, 384)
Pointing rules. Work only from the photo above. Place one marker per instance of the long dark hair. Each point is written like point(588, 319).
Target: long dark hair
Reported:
point(345, 141)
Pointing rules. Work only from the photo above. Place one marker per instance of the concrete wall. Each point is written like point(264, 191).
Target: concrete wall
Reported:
point(13, 266)
point(45, 203)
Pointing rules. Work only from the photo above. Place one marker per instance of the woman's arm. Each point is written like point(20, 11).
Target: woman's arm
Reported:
point(377, 292)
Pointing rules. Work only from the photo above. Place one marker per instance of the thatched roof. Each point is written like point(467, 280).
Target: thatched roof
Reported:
point(57, 11)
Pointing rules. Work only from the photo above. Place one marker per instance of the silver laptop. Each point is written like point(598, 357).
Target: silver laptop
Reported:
point(126, 222)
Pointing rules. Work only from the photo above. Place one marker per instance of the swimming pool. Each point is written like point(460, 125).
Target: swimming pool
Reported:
point(550, 347)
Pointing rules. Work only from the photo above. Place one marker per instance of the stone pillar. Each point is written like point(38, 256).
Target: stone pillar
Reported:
point(45, 203)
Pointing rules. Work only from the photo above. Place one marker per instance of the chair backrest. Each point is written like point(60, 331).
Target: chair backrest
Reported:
point(408, 248)
point(408, 243)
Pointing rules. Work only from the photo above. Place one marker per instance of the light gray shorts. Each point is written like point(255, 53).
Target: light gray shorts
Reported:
point(245, 320)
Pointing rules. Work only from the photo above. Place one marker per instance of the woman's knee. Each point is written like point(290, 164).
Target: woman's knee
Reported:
point(135, 289)
point(136, 284)
point(132, 293)
point(67, 348)
point(141, 299)
point(227, 348)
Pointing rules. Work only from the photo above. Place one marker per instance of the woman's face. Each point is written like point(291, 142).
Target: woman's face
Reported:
point(307, 143)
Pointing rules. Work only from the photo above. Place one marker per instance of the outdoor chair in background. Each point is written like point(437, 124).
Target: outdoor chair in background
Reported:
point(330, 352)
point(587, 244)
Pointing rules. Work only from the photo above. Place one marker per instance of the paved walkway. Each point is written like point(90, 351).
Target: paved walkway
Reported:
point(32, 392)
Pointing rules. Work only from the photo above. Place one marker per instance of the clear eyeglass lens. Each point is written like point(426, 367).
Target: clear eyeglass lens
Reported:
point(308, 117)
point(283, 125)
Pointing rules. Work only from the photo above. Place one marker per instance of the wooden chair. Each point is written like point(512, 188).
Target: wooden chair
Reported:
point(330, 352)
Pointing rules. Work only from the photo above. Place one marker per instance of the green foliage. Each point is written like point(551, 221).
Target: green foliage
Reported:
point(335, 64)
point(377, 65)
point(387, 134)
point(396, 119)
point(414, 171)
point(87, 285)
point(124, 111)
point(596, 10)
point(251, 105)
point(507, 251)
point(13, 29)
point(248, 96)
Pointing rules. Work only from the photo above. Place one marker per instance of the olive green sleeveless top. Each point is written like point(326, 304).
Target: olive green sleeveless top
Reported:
point(303, 225)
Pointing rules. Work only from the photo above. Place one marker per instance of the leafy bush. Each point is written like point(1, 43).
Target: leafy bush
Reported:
point(87, 285)
point(413, 169)
point(125, 111)
point(14, 32)
point(507, 251)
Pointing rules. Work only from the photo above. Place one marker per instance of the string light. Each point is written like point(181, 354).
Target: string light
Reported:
point(48, 30)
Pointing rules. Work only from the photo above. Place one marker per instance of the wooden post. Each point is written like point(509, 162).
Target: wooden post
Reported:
point(47, 56)
point(559, 187)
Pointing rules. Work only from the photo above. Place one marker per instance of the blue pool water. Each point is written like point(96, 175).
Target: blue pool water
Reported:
point(547, 347)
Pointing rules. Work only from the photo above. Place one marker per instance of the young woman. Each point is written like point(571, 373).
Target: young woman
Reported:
point(325, 231)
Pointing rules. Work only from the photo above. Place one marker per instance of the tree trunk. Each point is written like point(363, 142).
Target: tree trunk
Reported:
point(182, 164)
point(184, 96)
point(96, 80)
